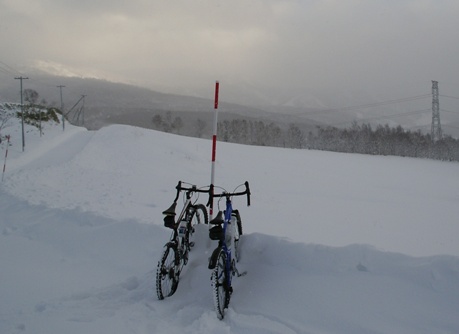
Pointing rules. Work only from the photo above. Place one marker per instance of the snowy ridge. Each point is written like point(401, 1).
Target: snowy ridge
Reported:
point(333, 243)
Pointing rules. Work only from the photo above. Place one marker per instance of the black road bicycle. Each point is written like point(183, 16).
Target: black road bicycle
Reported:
point(175, 254)
point(227, 230)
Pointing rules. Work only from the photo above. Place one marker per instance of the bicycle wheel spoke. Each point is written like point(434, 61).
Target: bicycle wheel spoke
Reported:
point(220, 285)
point(167, 277)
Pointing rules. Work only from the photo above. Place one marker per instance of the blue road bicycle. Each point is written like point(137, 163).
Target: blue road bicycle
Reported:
point(227, 230)
point(175, 254)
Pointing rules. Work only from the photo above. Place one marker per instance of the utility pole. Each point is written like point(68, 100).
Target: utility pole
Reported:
point(62, 108)
point(22, 112)
point(84, 96)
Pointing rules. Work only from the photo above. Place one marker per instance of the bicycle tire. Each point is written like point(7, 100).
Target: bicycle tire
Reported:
point(239, 226)
point(200, 215)
point(166, 278)
point(237, 236)
point(219, 282)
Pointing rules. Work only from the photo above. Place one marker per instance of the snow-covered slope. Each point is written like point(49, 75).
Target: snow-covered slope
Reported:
point(333, 243)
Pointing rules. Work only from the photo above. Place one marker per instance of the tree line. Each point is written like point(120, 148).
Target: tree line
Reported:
point(34, 111)
point(363, 139)
point(240, 131)
point(384, 140)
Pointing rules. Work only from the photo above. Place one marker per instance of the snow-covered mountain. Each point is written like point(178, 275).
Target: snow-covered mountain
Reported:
point(333, 243)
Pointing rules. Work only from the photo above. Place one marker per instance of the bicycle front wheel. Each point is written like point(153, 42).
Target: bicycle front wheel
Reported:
point(167, 272)
point(237, 236)
point(220, 286)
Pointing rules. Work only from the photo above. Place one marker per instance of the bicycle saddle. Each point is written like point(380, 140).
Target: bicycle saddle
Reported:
point(171, 210)
point(217, 220)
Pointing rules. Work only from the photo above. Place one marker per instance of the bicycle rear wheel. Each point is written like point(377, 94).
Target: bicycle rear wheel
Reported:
point(167, 276)
point(200, 215)
point(220, 286)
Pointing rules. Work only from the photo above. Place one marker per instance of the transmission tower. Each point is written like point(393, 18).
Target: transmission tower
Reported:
point(436, 126)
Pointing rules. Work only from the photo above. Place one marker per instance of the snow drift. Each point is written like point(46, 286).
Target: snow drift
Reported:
point(333, 243)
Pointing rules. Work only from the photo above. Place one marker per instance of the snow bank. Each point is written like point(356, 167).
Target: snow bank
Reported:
point(333, 243)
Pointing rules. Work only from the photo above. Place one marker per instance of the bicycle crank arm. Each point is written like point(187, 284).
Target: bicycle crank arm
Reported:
point(238, 274)
point(242, 274)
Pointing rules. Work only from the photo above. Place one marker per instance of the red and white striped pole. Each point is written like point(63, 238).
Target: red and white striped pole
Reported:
point(6, 155)
point(214, 146)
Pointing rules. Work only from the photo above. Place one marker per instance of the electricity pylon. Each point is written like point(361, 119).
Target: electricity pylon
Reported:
point(436, 126)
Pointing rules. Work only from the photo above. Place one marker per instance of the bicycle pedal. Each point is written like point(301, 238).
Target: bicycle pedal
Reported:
point(242, 274)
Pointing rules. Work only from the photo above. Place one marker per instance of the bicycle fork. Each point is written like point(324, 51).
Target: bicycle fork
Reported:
point(233, 268)
point(235, 271)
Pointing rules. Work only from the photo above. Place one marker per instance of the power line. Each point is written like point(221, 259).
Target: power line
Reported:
point(5, 70)
point(371, 105)
point(450, 126)
point(451, 97)
point(388, 116)
point(81, 98)
point(8, 69)
point(376, 104)
point(420, 126)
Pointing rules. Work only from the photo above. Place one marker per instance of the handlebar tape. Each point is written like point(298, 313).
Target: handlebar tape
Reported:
point(248, 192)
point(225, 194)
point(179, 188)
point(211, 195)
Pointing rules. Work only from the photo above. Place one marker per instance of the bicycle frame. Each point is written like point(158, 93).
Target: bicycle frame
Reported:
point(223, 243)
point(176, 250)
point(179, 231)
point(222, 263)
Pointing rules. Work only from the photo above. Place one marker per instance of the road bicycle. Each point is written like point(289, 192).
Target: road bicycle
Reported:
point(175, 254)
point(227, 230)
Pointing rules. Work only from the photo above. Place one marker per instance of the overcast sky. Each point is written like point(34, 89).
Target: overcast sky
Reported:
point(393, 46)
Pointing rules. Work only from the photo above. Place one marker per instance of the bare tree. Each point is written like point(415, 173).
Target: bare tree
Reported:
point(200, 127)
point(177, 124)
point(31, 96)
point(295, 136)
point(157, 121)
point(4, 118)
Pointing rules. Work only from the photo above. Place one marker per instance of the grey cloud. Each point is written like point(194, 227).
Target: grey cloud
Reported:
point(296, 45)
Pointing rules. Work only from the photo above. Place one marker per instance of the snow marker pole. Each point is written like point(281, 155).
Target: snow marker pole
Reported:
point(6, 155)
point(214, 147)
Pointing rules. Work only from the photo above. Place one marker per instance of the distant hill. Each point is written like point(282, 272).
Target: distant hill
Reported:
point(116, 103)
